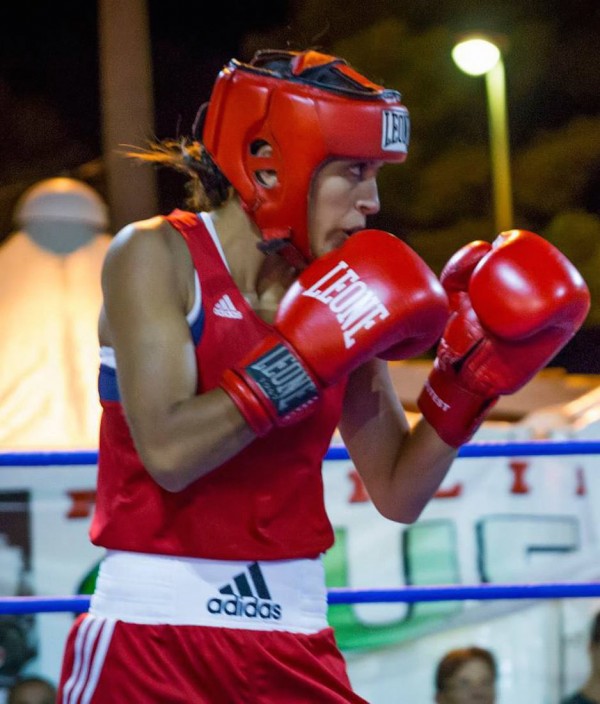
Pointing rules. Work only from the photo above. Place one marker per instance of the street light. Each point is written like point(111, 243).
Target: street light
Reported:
point(477, 55)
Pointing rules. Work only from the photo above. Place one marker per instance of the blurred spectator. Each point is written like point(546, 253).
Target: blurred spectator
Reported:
point(466, 676)
point(50, 298)
point(32, 690)
point(590, 692)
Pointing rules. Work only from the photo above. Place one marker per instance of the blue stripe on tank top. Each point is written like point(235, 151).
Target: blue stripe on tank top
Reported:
point(197, 327)
point(108, 386)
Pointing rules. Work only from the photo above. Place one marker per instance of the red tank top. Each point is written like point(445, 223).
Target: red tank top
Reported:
point(266, 503)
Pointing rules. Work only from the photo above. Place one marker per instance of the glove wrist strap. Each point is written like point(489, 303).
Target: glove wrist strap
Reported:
point(248, 404)
point(455, 412)
point(272, 387)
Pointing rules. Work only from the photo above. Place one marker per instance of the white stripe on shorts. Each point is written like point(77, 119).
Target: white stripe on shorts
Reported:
point(91, 645)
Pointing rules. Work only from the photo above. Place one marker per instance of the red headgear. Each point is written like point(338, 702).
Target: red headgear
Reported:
point(308, 107)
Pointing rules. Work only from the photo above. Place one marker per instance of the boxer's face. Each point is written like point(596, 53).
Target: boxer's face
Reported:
point(343, 193)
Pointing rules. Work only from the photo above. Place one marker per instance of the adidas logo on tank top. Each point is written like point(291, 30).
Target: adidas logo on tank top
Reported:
point(247, 595)
point(226, 308)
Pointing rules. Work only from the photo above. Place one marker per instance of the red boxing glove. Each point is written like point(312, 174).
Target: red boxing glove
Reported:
point(372, 296)
point(515, 304)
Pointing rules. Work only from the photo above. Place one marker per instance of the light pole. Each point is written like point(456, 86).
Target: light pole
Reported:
point(477, 55)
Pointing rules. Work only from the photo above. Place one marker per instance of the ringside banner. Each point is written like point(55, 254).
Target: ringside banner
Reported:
point(498, 520)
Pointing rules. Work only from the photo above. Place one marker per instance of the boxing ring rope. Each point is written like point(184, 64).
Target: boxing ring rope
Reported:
point(530, 448)
point(409, 594)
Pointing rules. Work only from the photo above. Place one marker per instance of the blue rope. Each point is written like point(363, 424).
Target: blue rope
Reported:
point(342, 595)
point(480, 592)
point(43, 605)
point(532, 448)
point(48, 459)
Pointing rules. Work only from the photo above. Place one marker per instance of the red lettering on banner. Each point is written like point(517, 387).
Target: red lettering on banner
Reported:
point(519, 485)
point(359, 492)
point(452, 493)
point(581, 488)
point(82, 502)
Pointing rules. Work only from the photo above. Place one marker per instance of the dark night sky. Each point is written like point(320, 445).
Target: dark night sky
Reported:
point(49, 52)
point(52, 53)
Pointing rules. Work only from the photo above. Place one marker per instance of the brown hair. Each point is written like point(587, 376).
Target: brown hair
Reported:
point(207, 187)
point(50, 689)
point(455, 659)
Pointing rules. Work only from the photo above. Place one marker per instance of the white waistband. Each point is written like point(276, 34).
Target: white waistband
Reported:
point(285, 595)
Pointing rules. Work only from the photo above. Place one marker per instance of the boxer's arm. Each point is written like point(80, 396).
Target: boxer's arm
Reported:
point(401, 469)
point(345, 308)
point(179, 435)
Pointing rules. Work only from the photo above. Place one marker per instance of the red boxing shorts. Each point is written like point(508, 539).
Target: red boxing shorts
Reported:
point(165, 630)
point(123, 663)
